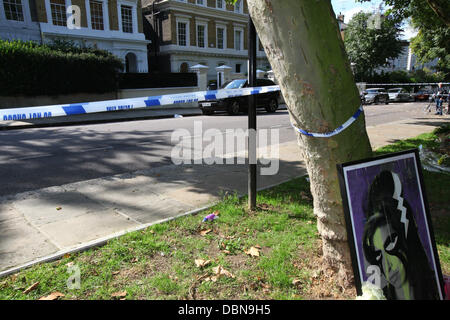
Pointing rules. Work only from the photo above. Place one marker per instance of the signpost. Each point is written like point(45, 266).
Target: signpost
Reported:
point(251, 116)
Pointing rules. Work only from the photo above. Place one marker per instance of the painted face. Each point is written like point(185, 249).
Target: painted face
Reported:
point(386, 245)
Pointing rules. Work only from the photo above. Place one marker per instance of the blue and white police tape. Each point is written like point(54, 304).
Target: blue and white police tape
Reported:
point(334, 132)
point(124, 104)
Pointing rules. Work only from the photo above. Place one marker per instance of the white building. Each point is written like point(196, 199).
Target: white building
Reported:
point(113, 25)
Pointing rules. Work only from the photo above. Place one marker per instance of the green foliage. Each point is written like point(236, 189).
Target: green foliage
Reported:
point(432, 40)
point(369, 47)
point(31, 69)
point(401, 76)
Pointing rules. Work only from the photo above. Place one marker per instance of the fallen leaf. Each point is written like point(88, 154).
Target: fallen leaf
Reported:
point(69, 264)
point(226, 252)
point(253, 251)
point(31, 288)
point(296, 281)
point(220, 271)
point(213, 279)
point(205, 232)
point(266, 286)
point(52, 296)
point(58, 208)
point(119, 294)
point(201, 262)
point(115, 273)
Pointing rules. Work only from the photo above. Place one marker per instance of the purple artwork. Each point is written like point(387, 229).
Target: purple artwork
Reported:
point(389, 225)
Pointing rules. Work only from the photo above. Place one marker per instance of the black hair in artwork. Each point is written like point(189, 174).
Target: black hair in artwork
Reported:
point(386, 208)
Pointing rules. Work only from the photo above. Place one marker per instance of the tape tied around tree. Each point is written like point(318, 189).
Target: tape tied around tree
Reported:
point(335, 131)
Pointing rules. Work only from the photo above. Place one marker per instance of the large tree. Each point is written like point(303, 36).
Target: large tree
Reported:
point(303, 44)
point(371, 43)
point(432, 20)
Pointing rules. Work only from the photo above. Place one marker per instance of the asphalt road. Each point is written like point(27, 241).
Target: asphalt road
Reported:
point(35, 158)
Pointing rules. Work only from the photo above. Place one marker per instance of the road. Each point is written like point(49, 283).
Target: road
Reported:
point(35, 158)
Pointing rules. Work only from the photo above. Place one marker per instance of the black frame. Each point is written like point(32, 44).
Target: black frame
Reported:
point(348, 219)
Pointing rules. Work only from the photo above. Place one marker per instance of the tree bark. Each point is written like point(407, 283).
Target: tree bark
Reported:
point(442, 10)
point(303, 44)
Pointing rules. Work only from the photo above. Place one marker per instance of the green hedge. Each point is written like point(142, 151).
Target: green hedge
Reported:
point(29, 69)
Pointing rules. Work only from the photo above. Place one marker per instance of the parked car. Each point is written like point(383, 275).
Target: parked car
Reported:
point(422, 95)
point(375, 96)
point(234, 105)
point(399, 94)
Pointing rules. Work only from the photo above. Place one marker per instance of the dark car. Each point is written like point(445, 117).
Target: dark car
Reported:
point(234, 105)
point(422, 95)
point(376, 95)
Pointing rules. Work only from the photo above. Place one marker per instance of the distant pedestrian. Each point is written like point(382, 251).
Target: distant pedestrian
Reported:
point(439, 101)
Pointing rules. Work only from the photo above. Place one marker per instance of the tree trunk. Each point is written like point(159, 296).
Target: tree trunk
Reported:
point(442, 10)
point(303, 44)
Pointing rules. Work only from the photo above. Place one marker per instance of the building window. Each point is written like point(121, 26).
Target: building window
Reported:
point(238, 6)
point(182, 34)
point(13, 10)
point(219, 4)
point(96, 14)
point(201, 36)
point(58, 8)
point(220, 38)
point(201, 2)
point(238, 68)
point(237, 39)
point(127, 18)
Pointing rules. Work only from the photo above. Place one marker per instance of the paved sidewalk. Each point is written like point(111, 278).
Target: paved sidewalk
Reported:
point(45, 224)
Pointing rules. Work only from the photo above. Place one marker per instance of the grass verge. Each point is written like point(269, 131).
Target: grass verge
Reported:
point(271, 253)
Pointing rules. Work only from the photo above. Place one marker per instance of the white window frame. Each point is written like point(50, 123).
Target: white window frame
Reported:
point(133, 15)
point(105, 15)
point(49, 12)
point(241, 42)
point(224, 27)
point(22, 4)
point(224, 5)
point(203, 4)
point(239, 9)
point(188, 34)
point(205, 37)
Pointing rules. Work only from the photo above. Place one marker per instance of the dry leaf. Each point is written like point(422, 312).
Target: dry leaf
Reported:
point(226, 252)
point(296, 281)
point(31, 288)
point(205, 232)
point(52, 296)
point(119, 294)
point(265, 286)
point(213, 279)
point(202, 263)
point(220, 271)
point(253, 251)
point(69, 264)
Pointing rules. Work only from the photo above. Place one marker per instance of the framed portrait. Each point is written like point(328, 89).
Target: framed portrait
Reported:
point(389, 226)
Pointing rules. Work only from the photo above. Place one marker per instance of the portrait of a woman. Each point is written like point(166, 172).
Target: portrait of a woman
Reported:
point(391, 243)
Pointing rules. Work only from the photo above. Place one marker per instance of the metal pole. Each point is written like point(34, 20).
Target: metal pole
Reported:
point(251, 116)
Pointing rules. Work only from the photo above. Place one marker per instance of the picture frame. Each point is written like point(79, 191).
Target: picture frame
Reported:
point(389, 226)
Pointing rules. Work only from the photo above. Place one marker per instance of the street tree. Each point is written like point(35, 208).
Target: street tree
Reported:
point(432, 20)
point(303, 45)
point(370, 45)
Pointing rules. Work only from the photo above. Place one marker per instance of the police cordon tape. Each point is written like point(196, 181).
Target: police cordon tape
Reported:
point(335, 131)
point(29, 113)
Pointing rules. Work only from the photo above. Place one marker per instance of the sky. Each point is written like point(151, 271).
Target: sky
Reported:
point(349, 7)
